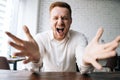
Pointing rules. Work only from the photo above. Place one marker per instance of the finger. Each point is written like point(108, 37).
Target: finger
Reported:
point(27, 32)
point(96, 64)
point(107, 55)
point(117, 39)
point(111, 47)
point(106, 45)
point(16, 46)
point(98, 34)
point(17, 40)
point(20, 54)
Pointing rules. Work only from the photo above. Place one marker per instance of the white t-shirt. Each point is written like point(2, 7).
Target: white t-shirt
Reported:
point(61, 56)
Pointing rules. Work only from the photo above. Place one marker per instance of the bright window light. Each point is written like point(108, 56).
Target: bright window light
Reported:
point(8, 22)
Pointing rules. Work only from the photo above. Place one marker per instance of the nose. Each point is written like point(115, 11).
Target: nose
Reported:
point(60, 21)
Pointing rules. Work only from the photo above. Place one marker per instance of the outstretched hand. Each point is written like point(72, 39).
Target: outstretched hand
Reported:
point(96, 51)
point(26, 48)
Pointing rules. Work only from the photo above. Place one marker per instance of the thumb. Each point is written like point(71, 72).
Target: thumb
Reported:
point(98, 34)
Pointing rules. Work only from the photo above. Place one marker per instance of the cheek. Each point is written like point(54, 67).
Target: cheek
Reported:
point(52, 23)
point(68, 25)
point(53, 26)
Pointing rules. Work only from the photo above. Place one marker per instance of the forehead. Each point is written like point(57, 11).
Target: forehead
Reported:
point(60, 11)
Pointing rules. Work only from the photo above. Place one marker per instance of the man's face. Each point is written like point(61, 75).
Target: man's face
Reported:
point(60, 21)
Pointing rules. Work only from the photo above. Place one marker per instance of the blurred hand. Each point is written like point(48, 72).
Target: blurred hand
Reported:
point(26, 48)
point(96, 51)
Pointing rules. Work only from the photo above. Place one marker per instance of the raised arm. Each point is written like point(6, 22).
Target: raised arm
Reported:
point(27, 48)
point(96, 51)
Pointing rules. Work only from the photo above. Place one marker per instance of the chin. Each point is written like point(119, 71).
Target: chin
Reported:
point(60, 38)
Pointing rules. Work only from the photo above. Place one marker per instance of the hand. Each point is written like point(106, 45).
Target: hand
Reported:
point(26, 48)
point(96, 51)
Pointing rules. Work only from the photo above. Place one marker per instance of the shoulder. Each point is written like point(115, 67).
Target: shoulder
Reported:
point(42, 35)
point(77, 34)
point(78, 37)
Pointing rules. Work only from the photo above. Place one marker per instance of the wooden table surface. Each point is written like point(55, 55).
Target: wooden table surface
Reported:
point(26, 75)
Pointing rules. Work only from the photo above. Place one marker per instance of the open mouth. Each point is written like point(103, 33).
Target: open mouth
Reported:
point(59, 30)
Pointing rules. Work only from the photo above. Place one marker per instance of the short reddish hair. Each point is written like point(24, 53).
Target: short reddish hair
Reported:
point(61, 4)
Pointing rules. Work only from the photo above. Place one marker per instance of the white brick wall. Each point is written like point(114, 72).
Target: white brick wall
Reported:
point(88, 16)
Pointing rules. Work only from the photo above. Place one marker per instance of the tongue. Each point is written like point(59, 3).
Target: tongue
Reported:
point(60, 32)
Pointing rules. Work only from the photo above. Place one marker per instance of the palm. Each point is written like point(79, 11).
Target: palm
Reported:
point(30, 49)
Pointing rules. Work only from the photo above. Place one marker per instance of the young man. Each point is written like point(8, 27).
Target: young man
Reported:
point(59, 49)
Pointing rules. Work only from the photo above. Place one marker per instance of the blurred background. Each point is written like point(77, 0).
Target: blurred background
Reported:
point(88, 16)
